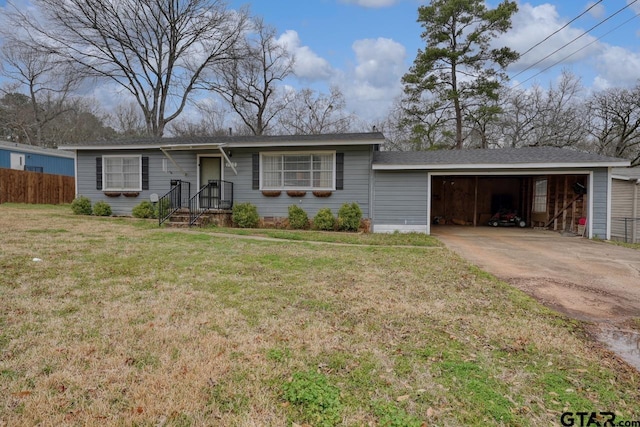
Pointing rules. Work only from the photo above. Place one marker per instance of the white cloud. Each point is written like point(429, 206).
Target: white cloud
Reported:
point(308, 65)
point(634, 6)
point(598, 10)
point(532, 25)
point(375, 81)
point(600, 84)
point(371, 3)
point(618, 66)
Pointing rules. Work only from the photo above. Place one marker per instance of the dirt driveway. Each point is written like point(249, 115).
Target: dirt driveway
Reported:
point(587, 280)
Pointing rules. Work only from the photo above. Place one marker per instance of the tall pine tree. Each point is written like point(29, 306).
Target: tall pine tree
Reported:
point(459, 68)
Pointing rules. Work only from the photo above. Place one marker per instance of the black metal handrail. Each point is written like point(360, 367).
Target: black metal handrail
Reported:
point(177, 197)
point(216, 194)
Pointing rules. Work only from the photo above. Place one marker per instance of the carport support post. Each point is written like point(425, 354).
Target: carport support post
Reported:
point(475, 205)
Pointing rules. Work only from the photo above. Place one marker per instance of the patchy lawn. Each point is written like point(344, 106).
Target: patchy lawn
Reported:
point(118, 322)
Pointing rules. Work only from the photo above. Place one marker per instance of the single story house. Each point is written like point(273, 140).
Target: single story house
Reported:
point(36, 159)
point(398, 191)
point(625, 204)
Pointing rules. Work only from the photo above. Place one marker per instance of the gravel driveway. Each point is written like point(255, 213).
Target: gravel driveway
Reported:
point(586, 280)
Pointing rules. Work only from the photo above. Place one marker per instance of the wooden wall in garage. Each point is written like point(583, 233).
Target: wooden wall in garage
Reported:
point(473, 200)
point(564, 206)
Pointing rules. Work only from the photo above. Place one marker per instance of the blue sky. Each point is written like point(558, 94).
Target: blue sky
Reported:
point(364, 47)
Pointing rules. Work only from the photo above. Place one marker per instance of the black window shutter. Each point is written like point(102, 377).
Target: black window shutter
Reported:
point(339, 171)
point(255, 158)
point(98, 173)
point(145, 173)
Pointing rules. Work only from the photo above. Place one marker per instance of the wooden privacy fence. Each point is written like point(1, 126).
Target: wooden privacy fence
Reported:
point(36, 188)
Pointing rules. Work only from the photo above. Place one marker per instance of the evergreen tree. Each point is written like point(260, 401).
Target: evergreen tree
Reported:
point(458, 68)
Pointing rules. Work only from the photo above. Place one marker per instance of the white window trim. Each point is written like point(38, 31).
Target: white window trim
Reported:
point(299, 153)
point(104, 173)
point(537, 196)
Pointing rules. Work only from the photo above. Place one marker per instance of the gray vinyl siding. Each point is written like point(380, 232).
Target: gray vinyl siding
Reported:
point(357, 162)
point(624, 204)
point(159, 181)
point(600, 189)
point(357, 166)
point(400, 198)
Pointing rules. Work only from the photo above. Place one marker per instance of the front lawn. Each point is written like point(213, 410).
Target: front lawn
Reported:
point(111, 321)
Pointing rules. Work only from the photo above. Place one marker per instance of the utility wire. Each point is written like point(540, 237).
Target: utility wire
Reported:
point(582, 48)
point(576, 38)
point(561, 28)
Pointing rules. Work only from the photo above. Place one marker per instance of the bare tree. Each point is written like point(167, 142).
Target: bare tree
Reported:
point(127, 120)
point(82, 121)
point(49, 85)
point(16, 118)
point(519, 115)
point(614, 123)
point(312, 114)
point(156, 50)
point(560, 121)
point(248, 83)
point(554, 117)
point(211, 122)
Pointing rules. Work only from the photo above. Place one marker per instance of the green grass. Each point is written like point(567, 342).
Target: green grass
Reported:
point(624, 245)
point(123, 324)
point(394, 239)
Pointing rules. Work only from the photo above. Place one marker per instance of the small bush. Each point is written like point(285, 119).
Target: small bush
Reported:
point(144, 209)
point(298, 218)
point(245, 215)
point(101, 208)
point(324, 220)
point(349, 217)
point(81, 205)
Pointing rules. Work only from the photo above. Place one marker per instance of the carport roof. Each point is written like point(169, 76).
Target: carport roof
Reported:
point(499, 158)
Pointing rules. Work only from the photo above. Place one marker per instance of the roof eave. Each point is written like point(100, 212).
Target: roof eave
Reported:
point(109, 147)
point(210, 146)
point(499, 166)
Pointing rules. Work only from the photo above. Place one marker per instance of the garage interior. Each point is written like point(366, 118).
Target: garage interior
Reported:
point(555, 202)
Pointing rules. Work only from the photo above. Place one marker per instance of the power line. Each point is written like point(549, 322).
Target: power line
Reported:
point(576, 38)
point(561, 28)
point(573, 53)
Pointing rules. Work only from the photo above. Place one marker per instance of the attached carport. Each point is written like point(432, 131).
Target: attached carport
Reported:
point(550, 187)
point(545, 199)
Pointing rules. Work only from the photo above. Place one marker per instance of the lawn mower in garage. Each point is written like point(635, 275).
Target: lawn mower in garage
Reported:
point(504, 218)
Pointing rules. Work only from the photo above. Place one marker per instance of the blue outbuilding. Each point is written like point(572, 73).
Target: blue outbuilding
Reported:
point(36, 159)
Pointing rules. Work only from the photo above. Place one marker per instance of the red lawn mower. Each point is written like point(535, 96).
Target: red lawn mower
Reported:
point(505, 218)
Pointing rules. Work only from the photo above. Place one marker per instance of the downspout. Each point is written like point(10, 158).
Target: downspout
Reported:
point(609, 186)
point(75, 170)
point(226, 158)
point(634, 214)
point(168, 156)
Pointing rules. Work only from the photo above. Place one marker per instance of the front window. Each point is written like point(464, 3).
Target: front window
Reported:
point(540, 195)
point(301, 171)
point(122, 173)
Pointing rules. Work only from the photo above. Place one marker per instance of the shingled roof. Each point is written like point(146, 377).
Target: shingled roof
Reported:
point(234, 141)
point(494, 158)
